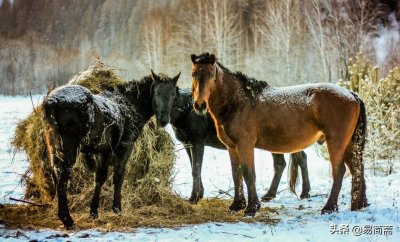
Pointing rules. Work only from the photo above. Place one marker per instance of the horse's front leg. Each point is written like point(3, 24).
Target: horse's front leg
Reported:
point(101, 177)
point(197, 161)
point(246, 155)
point(64, 174)
point(239, 202)
point(122, 156)
point(279, 167)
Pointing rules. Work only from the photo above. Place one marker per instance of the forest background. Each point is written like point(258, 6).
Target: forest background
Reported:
point(45, 42)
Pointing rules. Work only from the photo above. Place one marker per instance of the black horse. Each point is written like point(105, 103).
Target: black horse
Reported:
point(175, 106)
point(102, 127)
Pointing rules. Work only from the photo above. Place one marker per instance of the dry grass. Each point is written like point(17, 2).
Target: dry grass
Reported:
point(215, 210)
point(148, 198)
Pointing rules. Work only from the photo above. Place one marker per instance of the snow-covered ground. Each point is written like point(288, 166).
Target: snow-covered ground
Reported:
point(299, 220)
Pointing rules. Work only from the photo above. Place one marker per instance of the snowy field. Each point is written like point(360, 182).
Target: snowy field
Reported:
point(299, 220)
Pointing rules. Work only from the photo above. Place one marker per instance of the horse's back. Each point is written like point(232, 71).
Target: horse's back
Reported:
point(300, 95)
point(69, 94)
point(287, 115)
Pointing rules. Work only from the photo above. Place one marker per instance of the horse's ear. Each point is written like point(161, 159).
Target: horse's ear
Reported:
point(212, 59)
point(154, 76)
point(175, 79)
point(194, 57)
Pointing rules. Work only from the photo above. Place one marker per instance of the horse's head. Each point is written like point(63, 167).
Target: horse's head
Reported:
point(164, 93)
point(204, 73)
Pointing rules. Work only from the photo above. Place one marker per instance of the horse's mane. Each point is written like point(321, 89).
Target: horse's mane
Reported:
point(203, 58)
point(251, 86)
point(147, 81)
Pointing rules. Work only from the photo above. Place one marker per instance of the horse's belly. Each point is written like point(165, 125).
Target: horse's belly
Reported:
point(288, 143)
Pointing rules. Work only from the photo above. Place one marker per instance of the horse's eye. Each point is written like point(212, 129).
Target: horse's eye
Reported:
point(193, 75)
point(212, 75)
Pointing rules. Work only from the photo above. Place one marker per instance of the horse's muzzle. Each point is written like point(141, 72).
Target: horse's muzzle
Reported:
point(201, 109)
point(162, 123)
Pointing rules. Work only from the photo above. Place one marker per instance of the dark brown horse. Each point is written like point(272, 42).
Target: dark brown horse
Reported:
point(251, 114)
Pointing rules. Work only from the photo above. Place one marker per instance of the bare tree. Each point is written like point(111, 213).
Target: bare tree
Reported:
point(223, 28)
point(317, 30)
point(152, 40)
point(283, 38)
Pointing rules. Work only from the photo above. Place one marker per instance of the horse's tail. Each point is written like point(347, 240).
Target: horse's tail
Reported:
point(49, 108)
point(294, 173)
point(51, 137)
point(360, 132)
point(356, 149)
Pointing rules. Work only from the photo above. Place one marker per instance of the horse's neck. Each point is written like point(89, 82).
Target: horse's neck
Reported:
point(226, 96)
point(182, 107)
point(140, 95)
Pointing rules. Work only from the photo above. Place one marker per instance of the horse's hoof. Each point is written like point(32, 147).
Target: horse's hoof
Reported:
point(94, 215)
point(329, 209)
point(72, 227)
point(116, 209)
point(237, 206)
point(267, 198)
point(194, 199)
point(359, 205)
point(69, 224)
point(66, 219)
point(304, 196)
point(252, 209)
point(249, 215)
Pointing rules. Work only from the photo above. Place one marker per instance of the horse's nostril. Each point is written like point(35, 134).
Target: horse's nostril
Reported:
point(196, 106)
point(201, 109)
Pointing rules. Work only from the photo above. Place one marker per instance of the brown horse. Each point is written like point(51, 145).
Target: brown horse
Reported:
point(251, 114)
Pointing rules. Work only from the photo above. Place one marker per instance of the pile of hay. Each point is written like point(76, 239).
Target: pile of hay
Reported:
point(147, 195)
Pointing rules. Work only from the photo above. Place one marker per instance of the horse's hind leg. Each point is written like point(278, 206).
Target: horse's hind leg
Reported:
point(301, 159)
point(338, 169)
point(279, 167)
point(197, 162)
point(64, 174)
point(239, 202)
point(119, 173)
point(101, 177)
